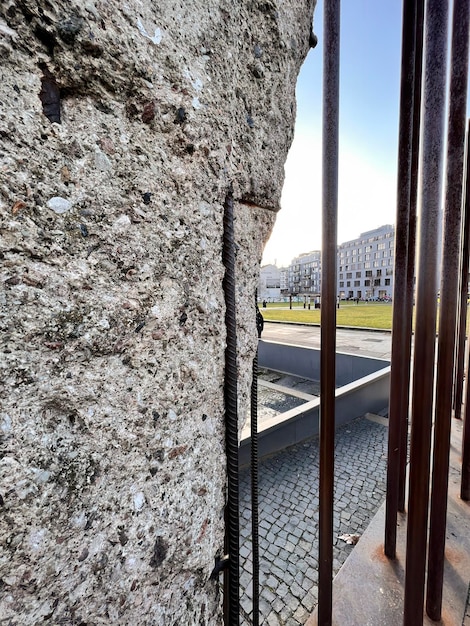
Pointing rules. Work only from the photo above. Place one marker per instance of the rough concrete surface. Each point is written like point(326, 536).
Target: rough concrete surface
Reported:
point(122, 126)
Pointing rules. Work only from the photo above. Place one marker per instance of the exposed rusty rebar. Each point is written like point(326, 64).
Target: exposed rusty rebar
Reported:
point(331, 34)
point(431, 163)
point(231, 418)
point(254, 481)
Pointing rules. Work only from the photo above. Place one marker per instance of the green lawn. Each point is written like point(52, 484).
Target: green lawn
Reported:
point(364, 314)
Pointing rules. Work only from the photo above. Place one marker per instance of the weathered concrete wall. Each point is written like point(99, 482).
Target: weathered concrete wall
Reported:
point(112, 471)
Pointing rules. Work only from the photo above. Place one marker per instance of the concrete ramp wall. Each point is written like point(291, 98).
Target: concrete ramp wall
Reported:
point(367, 393)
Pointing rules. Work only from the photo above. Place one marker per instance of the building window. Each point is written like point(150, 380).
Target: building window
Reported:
point(379, 272)
point(376, 264)
point(381, 246)
point(369, 273)
point(348, 283)
point(349, 275)
point(341, 276)
point(357, 283)
point(376, 282)
point(358, 274)
point(389, 272)
point(367, 283)
point(387, 282)
point(341, 283)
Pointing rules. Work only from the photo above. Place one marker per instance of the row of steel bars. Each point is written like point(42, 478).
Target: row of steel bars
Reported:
point(448, 304)
point(331, 30)
point(430, 193)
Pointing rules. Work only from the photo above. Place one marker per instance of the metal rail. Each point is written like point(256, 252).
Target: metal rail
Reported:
point(410, 287)
point(399, 375)
point(465, 480)
point(448, 305)
point(331, 33)
point(426, 307)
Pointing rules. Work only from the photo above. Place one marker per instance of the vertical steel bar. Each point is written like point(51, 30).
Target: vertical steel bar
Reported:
point(465, 480)
point(462, 330)
point(409, 292)
point(397, 380)
point(331, 33)
point(231, 414)
point(448, 305)
point(426, 309)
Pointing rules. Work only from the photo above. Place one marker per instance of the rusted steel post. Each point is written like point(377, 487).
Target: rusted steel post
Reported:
point(398, 382)
point(431, 162)
point(462, 327)
point(331, 33)
point(409, 294)
point(448, 305)
point(465, 480)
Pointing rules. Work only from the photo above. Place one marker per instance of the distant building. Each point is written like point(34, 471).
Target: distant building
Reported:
point(365, 270)
point(365, 265)
point(269, 286)
point(304, 275)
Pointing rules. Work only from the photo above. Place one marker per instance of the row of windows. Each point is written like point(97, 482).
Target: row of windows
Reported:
point(367, 282)
point(378, 272)
point(367, 264)
point(355, 251)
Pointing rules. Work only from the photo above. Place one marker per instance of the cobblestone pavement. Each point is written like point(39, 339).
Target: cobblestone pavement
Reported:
point(288, 514)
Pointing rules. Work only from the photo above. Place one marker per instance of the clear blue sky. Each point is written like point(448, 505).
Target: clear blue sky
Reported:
point(369, 107)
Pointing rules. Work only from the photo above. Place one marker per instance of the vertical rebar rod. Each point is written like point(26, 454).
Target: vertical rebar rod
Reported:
point(448, 305)
point(462, 328)
point(331, 33)
point(231, 415)
point(409, 292)
point(398, 382)
point(431, 161)
point(254, 489)
point(465, 480)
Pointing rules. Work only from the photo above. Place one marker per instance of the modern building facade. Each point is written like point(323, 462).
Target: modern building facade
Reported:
point(365, 265)
point(304, 275)
point(364, 270)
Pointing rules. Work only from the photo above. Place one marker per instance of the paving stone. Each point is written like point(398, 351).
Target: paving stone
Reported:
point(273, 619)
point(289, 521)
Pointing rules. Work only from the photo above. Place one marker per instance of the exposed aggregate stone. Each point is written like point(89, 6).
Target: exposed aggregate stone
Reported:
point(121, 127)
